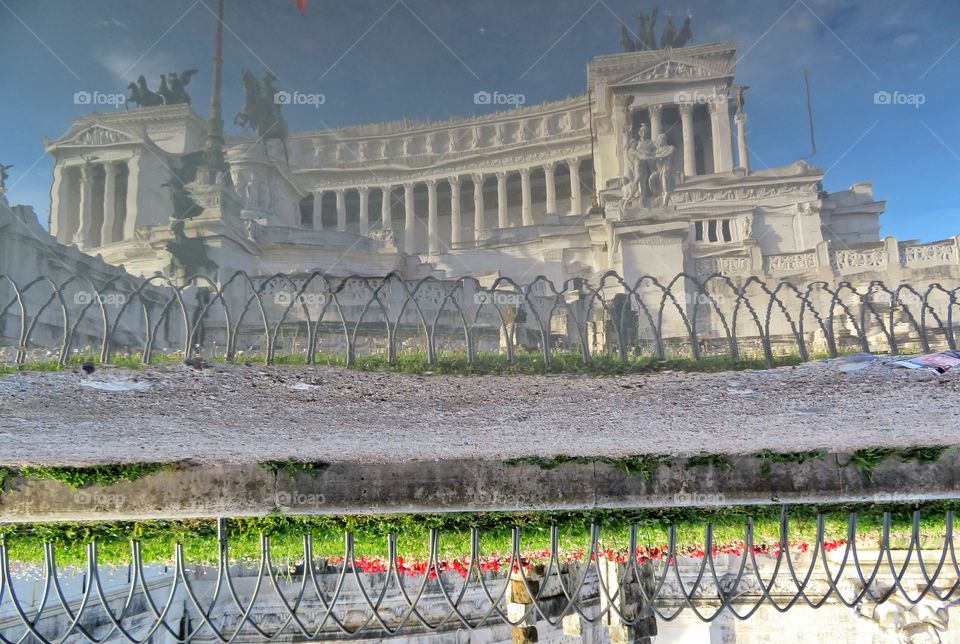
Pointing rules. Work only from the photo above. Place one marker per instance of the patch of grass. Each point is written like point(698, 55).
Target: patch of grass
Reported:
point(868, 460)
point(292, 467)
point(77, 477)
point(370, 532)
point(456, 363)
point(551, 463)
point(923, 454)
point(561, 362)
point(127, 361)
point(718, 461)
point(643, 466)
point(769, 457)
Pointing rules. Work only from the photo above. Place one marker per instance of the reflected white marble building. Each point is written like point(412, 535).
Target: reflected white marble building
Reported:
point(647, 173)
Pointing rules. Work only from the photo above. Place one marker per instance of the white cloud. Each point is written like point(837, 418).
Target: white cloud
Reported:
point(907, 39)
point(111, 22)
point(127, 65)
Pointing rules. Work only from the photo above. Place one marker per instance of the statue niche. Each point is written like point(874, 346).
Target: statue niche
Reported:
point(648, 172)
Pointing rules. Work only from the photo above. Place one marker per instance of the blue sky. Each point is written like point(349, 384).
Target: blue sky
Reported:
point(384, 59)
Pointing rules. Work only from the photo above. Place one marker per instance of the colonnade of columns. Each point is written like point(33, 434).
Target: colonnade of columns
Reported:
point(721, 134)
point(91, 203)
point(435, 241)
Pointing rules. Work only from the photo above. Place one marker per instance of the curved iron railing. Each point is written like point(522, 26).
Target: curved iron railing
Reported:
point(313, 314)
point(313, 600)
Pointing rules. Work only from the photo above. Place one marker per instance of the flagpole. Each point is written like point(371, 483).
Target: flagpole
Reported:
point(214, 140)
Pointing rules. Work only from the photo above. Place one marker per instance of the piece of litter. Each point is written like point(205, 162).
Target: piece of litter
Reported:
point(115, 385)
point(303, 386)
point(939, 362)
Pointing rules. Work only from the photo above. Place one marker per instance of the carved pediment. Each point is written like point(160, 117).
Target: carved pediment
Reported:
point(674, 66)
point(95, 135)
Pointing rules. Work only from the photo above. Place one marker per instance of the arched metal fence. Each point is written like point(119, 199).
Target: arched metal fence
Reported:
point(316, 598)
point(313, 315)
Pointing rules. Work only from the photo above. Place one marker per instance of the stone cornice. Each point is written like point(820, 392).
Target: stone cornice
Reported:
point(718, 59)
point(375, 175)
point(402, 128)
point(152, 116)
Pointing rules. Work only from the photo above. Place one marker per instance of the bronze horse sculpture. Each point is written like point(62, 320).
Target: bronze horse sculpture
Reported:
point(261, 110)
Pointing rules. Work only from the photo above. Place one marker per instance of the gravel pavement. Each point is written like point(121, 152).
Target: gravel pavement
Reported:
point(236, 413)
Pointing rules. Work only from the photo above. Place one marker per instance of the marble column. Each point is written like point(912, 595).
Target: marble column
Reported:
point(82, 238)
point(722, 135)
point(318, 209)
point(433, 233)
point(132, 216)
point(455, 231)
point(503, 217)
point(61, 208)
point(109, 203)
point(689, 152)
point(576, 205)
point(364, 193)
point(409, 220)
point(479, 225)
point(341, 210)
point(386, 222)
point(526, 209)
point(656, 122)
point(743, 154)
point(623, 127)
point(548, 175)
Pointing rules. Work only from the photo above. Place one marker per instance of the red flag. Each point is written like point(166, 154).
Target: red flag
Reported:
point(301, 5)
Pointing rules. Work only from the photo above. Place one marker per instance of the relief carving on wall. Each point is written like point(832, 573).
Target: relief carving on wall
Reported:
point(99, 136)
point(740, 194)
point(937, 253)
point(792, 263)
point(707, 266)
point(841, 259)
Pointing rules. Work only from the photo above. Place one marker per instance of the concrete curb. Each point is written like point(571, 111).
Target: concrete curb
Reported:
point(192, 491)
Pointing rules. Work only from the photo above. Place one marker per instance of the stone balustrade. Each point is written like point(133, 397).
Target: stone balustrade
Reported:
point(837, 262)
point(846, 259)
point(790, 262)
point(938, 252)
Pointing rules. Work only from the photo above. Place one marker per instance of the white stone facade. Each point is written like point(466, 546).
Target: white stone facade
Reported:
point(552, 189)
